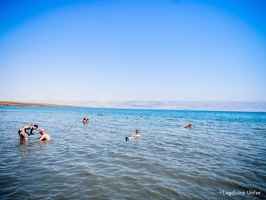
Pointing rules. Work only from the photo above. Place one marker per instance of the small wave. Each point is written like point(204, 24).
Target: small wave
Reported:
point(259, 129)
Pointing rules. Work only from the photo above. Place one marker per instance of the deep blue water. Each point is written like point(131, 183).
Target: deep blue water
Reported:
point(222, 159)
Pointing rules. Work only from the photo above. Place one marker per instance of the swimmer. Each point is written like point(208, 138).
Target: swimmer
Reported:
point(44, 136)
point(85, 120)
point(23, 132)
point(188, 126)
point(136, 133)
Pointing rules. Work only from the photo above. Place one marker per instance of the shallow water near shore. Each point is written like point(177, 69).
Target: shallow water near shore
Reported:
point(222, 159)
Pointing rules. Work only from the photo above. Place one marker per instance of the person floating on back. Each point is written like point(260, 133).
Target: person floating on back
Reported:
point(188, 126)
point(44, 136)
point(134, 135)
point(23, 132)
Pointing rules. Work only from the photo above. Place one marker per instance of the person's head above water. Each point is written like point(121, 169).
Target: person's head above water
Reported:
point(42, 131)
point(35, 125)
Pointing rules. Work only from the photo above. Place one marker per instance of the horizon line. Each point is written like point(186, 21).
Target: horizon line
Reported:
point(206, 105)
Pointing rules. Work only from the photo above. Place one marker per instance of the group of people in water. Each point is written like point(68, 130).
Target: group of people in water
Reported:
point(135, 134)
point(85, 120)
point(23, 134)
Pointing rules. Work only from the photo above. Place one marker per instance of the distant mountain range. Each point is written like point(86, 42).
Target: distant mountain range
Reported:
point(168, 105)
point(181, 105)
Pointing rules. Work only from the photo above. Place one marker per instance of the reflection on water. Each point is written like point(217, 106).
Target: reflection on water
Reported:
point(44, 143)
point(223, 158)
point(27, 149)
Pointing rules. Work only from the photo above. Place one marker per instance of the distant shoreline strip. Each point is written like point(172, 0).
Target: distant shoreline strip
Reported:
point(170, 105)
point(11, 103)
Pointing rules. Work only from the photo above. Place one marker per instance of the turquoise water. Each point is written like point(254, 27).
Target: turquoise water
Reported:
point(222, 159)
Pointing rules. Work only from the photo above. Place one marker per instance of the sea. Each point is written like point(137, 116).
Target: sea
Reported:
point(224, 158)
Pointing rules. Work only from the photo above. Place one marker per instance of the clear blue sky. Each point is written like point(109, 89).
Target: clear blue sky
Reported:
point(133, 50)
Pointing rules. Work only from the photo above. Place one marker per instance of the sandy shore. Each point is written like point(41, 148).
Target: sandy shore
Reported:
point(12, 103)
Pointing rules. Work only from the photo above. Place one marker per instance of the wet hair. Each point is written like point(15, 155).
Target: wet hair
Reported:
point(35, 125)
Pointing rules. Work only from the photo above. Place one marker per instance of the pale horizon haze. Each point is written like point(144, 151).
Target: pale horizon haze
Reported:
point(132, 50)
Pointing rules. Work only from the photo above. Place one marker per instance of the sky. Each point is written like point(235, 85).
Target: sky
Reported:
point(133, 50)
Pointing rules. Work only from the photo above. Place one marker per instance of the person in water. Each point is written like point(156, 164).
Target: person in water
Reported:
point(136, 133)
point(85, 120)
point(44, 136)
point(188, 126)
point(23, 132)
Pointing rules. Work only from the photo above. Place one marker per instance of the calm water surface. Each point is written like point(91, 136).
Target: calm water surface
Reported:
point(222, 159)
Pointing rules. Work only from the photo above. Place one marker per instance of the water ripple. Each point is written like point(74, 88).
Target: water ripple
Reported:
point(95, 162)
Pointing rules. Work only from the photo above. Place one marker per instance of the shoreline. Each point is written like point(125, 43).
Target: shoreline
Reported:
point(16, 103)
point(155, 105)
